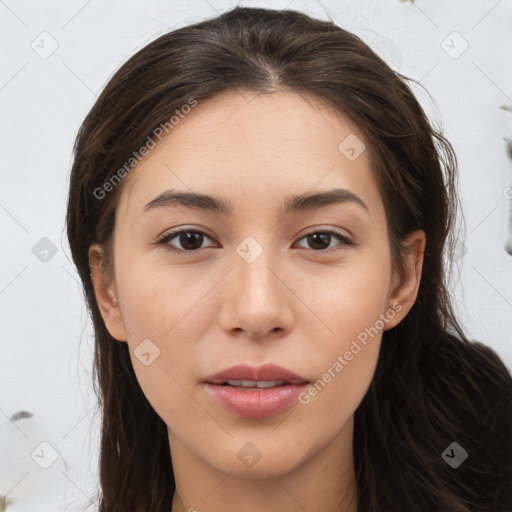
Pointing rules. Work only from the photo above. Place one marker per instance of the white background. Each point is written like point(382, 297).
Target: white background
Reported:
point(46, 343)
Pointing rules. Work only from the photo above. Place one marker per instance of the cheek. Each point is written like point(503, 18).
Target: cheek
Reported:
point(351, 297)
point(352, 307)
point(157, 299)
point(344, 374)
point(345, 359)
point(161, 308)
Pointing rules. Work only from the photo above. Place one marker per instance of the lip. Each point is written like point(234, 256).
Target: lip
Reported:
point(264, 372)
point(259, 402)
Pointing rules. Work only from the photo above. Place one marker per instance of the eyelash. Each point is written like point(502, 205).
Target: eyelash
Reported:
point(167, 237)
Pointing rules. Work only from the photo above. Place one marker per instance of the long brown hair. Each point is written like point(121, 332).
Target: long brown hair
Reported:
point(432, 386)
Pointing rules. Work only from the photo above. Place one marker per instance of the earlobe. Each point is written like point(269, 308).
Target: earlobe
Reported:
point(406, 286)
point(106, 295)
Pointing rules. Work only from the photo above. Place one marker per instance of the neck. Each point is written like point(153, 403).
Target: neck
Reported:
point(323, 483)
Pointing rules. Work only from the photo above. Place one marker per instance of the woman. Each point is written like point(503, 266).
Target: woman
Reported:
point(258, 211)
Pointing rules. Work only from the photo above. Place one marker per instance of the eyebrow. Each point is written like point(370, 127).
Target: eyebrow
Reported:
point(223, 206)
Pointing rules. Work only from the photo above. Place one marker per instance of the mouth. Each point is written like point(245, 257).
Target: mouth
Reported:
point(255, 385)
point(267, 375)
point(255, 392)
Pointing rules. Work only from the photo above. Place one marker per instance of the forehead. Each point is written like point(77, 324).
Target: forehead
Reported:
point(241, 142)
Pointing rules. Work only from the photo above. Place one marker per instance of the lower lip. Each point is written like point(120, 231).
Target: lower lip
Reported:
point(259, 403)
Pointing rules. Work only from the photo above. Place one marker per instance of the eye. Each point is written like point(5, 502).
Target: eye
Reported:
point(321, 241)
point(189, 239)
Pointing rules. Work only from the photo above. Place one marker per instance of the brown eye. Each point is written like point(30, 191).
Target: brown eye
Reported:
point(320, 241)
point(188, 240)
point(191, 240)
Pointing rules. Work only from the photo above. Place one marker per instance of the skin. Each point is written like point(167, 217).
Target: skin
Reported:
point(292, 306)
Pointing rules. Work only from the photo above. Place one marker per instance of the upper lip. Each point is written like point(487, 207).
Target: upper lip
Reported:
point(265, 372)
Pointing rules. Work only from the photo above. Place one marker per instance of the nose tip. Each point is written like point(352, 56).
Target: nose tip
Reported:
point(257, 305)
point(260, 333)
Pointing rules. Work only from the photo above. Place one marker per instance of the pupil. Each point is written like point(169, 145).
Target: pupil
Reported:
point(190, 238)
point(314, 238)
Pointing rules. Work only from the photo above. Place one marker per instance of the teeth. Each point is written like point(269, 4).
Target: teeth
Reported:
point(254, 383)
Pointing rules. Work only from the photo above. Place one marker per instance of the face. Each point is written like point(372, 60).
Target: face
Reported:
point(309, 288)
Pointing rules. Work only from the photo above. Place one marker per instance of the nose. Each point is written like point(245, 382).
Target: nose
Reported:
point(257, 299)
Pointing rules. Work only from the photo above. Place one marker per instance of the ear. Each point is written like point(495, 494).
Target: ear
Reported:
point(404, 288)
point(106, 295)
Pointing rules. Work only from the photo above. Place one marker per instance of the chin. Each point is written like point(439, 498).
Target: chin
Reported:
point(245, 460)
